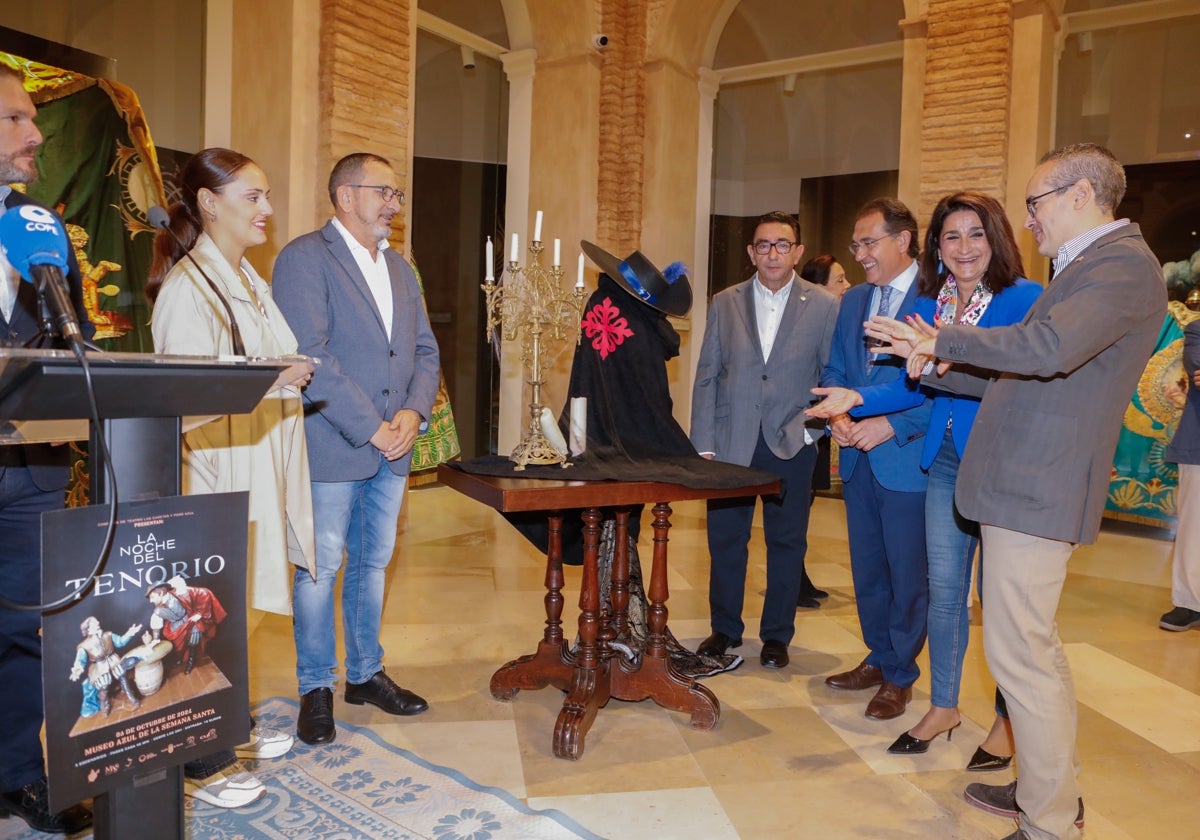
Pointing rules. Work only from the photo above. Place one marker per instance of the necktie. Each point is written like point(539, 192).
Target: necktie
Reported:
point(885, 301)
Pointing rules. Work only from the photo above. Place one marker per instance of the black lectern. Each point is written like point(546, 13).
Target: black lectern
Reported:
point(141, 399)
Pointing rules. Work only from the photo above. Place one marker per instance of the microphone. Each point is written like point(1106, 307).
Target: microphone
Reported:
point(36, 245)
point(159, 218)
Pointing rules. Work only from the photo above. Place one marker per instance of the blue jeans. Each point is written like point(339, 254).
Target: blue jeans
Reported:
point(356, 519)
point(950, 542)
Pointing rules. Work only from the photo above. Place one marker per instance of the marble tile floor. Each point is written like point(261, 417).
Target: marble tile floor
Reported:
point(789, 757)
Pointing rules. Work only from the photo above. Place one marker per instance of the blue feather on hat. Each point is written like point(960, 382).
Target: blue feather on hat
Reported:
point(674, 271)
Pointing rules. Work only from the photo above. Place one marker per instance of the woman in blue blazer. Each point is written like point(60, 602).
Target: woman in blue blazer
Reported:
point(971, 274)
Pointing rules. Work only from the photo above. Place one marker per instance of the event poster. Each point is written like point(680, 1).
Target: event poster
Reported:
point(148, 668)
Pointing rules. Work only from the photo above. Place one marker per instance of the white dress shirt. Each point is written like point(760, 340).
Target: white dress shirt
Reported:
point(768, 311)
point(375, 272)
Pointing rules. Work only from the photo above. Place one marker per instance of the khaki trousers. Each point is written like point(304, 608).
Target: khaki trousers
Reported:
point(1023, 578)
point(1185, 574)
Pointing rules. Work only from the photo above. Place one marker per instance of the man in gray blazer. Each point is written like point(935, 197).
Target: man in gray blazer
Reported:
point(765, 344)
point(1035, 473)
point(355, 307)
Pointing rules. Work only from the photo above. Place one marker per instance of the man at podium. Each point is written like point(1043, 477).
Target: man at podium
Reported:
point(33, 480)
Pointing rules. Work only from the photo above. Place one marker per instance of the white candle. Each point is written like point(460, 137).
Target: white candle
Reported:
point(577, 425)
point(537, 227)
point(557, 253)
point(579, 282)
point(489, 260)
point(516, 249)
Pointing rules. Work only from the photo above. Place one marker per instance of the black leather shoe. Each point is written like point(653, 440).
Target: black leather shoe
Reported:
point(32, 804)
point(315, 723)
point(984, 760)
point(808, 590)
point(807, 603)
point(774, 655)
point(717, 644)
point(381, 691)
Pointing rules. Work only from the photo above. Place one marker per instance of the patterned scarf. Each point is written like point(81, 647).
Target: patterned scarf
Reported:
point(947, 303)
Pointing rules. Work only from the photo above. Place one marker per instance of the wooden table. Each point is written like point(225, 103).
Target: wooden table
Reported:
point(591, 675)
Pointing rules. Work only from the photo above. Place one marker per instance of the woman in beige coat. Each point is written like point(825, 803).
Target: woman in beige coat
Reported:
point(223, 210)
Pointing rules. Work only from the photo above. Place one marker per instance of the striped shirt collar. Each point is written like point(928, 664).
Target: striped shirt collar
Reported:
point(1072, 249)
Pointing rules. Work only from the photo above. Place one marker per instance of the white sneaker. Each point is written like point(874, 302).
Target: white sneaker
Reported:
point(225, 790)
point(265, 743)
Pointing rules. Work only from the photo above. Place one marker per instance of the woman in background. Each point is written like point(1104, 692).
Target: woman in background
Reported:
point(971, 273)
point(223, 210)
point(825, 271)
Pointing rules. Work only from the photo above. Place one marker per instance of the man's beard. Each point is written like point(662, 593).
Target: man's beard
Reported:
point(12, 173)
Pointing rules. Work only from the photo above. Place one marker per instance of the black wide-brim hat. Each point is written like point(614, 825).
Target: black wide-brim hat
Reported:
point(669, 292)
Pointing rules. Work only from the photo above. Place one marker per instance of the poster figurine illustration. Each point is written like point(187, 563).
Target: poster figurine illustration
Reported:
point(147, 668)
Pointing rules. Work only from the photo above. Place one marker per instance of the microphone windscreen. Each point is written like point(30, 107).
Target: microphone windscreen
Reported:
point(32, 235)
point(157, 216)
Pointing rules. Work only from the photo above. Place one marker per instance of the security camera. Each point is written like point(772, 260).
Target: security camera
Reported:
point(600, 41)
point(468, 57)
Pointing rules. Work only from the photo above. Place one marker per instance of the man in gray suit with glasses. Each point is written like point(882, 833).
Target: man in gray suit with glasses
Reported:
point(765, 343)
point(355, 307)
point(1035, 473)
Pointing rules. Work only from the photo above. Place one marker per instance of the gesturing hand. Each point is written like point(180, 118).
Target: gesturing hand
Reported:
point(900, 338)
point(837, 401)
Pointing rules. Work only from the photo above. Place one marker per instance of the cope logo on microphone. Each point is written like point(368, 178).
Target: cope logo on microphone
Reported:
point(38, 219)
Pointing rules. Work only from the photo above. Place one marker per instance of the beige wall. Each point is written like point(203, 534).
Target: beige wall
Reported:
point(617, 147)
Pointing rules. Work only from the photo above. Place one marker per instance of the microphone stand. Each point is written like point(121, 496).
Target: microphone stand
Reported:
point(235, 334)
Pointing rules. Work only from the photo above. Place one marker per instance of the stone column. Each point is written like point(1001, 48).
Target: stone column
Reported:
point(1036, 47)
point(978, 103)
point(519, 67)
point(968, 91)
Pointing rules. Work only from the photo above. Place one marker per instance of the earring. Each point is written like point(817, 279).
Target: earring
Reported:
point(212, 217)
point(941, 267)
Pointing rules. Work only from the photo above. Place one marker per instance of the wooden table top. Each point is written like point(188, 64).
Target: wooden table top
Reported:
point(510, 495)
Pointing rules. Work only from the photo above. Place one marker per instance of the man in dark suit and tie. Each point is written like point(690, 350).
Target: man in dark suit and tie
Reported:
point(355, 307)
point(880, 464)
point(765, 343)
point(33, 480)
point(1035, 473)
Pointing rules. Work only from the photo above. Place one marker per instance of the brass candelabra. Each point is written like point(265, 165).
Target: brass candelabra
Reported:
point(531, 303)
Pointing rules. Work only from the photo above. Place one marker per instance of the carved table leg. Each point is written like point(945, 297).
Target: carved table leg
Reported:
point(551, 663)
point(620, 575)
point(655, 678)
point(589, 689)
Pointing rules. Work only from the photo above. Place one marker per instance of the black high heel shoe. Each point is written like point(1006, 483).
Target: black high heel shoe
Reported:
point(908, 745)
point(984, 760)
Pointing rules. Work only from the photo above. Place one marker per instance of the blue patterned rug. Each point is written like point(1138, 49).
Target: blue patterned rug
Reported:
point(361, 787)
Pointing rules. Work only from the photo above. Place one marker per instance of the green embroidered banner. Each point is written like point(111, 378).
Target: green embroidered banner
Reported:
point(1143, 484)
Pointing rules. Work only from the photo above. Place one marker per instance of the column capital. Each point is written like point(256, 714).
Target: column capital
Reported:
point(519, 64)
point(709, 82)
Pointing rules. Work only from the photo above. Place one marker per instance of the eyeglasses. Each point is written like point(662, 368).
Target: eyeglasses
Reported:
point(386, 193)
point(781, 247)
point(1031, 202)
point(867, 244)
